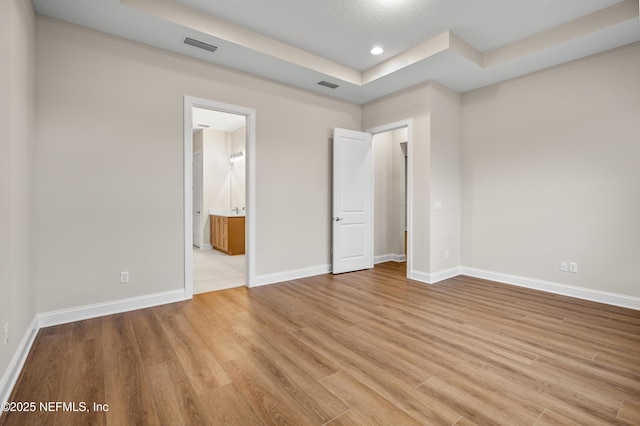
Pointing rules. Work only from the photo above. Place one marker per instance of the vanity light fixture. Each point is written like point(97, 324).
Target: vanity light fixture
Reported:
point(237, 157)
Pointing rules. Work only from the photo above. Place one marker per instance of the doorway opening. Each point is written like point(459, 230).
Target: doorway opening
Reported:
point(392, 192)
point(219, 146)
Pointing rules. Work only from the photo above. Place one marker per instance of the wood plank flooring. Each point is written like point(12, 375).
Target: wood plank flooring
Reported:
point(355, 349)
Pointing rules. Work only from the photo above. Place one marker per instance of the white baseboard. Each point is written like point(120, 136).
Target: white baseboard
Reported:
point(391, 257)
point(12, 372)
point(64, 316)
point(203, 246)
point(291, 275)
point(556, 288)
point(435, 277)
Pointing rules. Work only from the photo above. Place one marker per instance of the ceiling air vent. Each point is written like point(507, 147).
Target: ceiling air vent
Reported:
point(327, 84)
point(200, 44)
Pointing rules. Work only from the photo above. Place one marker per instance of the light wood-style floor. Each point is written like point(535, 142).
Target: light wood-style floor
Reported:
point(362, 348)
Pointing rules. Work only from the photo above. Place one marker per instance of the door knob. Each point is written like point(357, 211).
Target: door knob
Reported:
point(338, 219)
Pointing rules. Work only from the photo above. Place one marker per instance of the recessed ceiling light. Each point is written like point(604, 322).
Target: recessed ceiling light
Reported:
point(377, 50)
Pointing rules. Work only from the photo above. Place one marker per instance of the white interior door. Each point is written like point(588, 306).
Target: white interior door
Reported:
point(197, 199)
point(352, 201)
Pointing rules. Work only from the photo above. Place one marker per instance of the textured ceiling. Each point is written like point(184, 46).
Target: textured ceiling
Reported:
point(463, 44)
point(345, 31)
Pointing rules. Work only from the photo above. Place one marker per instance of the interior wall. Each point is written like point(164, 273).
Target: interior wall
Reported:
point(551, 172)
point(382, 168)
point(389, 195)
point(412, 104)
point(216, 191)
point(446, 171)
point(114, 202)
point(238, 171)
point(17, 115)
point(437, 118)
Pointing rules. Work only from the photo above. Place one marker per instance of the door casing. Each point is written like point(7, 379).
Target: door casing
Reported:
point(250, 114)
point(408, 123)
point(197, 199)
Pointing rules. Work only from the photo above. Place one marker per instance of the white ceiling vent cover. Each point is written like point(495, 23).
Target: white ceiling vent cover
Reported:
point(200, 44)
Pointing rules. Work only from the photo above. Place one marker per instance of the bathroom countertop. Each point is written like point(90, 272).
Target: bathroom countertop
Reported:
point(226, 213)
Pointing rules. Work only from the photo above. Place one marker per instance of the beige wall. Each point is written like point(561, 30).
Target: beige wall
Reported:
point(551, 170)
point(389, 194)
point(113, 202)
point(436, 116)
point(411, 104)
point(17, 114)
point(446, 147)
point(237, 173)
point(215, 176)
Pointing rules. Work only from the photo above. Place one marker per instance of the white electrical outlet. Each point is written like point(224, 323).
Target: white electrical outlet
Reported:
point(446, 254)
point(564, 266)
point(6, 333)
point(124, 277)
point(573, 267)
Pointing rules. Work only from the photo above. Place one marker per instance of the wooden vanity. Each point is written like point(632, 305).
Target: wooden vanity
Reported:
point(227, 234)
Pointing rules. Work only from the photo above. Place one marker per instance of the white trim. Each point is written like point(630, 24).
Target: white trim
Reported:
point(390, 257)
point(14, 368)
point(250, 114)
point(435, 277)
point(204, 247)
point(557, 288)
point(445, 274)
point(200, 230)
point(292, 275)
point(64, 316)
point(423, 277)
point(188, 196)
point(408, 123)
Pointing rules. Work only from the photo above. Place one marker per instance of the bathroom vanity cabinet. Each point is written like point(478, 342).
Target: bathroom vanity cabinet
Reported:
point(227, 234)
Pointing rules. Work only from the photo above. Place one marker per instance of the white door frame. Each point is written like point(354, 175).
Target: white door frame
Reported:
point(189, 103)
point(387, 128)
point(197, 228)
